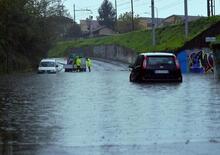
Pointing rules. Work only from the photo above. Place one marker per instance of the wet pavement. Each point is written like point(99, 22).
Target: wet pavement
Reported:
point(102, 113)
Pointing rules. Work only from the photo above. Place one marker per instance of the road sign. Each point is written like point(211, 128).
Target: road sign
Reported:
point(210, 39)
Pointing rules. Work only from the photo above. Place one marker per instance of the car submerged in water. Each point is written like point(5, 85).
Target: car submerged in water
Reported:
point(70, 66)
point(49, 66)
point(156, 67)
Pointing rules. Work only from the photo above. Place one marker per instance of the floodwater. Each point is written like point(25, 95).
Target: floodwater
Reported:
point(101, 112)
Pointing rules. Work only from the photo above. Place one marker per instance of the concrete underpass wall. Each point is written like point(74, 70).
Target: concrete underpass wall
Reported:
point(193, 60)
point(196, 60)
point(216, 53)
point(108, 52)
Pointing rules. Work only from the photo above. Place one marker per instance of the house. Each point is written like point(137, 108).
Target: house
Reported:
point(177, 19)
point(87, 24)
point(102, 31)
point(146, 22)
point(96, 29)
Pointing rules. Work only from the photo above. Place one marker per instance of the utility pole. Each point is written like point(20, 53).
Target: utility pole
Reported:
point(90, 25)
point(7, 61)
point(116, 11)
point(74, 13)
point(157, 16)
point(186, 19)
point(132, 15)
point(153, 24)
point(116, 16)
point(210, 8)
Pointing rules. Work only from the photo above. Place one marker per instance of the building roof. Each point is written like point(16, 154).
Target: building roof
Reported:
point(182, 17)
point(149, 19)
point(100, 28)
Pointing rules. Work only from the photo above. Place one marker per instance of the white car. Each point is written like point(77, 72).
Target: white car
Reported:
point(48, 66)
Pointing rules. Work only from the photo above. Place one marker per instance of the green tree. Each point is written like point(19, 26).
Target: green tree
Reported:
point(29, 28)
point(124, 23)
point(74, 31)
point(107, 14)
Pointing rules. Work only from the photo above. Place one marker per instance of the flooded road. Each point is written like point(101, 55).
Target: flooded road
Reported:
point(103, 113)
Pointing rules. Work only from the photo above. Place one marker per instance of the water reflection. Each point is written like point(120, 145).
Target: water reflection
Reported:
point(103, 109)
point(6, 142)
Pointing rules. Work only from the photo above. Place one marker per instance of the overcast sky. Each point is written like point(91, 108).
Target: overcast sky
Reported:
point(164, 8)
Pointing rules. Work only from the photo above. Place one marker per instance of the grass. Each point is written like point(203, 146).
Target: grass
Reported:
point(167, 38)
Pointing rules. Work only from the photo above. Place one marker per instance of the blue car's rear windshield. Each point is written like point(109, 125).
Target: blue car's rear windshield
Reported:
point(161, 60)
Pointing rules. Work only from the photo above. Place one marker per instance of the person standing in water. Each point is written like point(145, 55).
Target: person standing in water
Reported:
point(89, 64)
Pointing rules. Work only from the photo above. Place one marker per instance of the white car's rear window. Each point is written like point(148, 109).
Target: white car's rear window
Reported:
point(47, 64)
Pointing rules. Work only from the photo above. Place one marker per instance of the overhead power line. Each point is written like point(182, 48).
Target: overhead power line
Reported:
point(124, 3)
point(79, 10)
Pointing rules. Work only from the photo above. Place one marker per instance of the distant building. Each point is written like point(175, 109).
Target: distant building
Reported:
point(177, 19)
point(146, 22)
point(103, 31)
point(87, 24)
point(96, 29)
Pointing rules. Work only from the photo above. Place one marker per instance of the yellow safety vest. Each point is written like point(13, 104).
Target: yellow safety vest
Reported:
point(78, 62)
point(89, 63)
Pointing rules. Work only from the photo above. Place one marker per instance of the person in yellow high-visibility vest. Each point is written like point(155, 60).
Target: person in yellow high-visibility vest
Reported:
point(78, 64)
point(89, 64)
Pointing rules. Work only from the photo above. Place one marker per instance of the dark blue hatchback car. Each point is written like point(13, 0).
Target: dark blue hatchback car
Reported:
point(156, 67)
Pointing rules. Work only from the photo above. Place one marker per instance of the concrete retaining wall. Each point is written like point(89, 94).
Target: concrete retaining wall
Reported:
point(216, 53)
point(194, 60)
point(109, 52)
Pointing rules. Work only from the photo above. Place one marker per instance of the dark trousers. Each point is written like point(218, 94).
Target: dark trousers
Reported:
point(89, 69)
point(78, 68)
